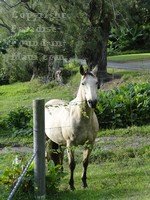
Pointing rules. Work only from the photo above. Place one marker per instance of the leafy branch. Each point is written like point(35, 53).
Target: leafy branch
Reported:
point(15, 40)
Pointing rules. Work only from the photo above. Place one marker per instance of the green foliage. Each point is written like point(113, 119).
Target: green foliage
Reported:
point(15, 40)
point(124, 106)
point(131, 29)
point(10, 175)
point(124, 39)
point(15, 66)
point(53, 177)
point(18, 121)
point(69, 70)
point(19, 73)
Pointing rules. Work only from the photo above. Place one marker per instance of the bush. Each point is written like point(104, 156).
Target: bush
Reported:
point(19, 121)
point(69, 70)
point(124, 106)
point(19, 73)
point(4, 77)
point(9, 177)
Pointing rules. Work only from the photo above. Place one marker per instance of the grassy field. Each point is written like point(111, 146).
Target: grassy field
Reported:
point(130, 57)
point(119, 169)
point(126, 180)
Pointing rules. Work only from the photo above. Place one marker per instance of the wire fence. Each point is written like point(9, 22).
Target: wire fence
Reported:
point(39, 153)
point(20, 179)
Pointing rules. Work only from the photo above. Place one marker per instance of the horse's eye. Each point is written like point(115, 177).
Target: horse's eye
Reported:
point(83, 83)
point(96, 83)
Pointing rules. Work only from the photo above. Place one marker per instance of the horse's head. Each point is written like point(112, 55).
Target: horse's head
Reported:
point(89, 84)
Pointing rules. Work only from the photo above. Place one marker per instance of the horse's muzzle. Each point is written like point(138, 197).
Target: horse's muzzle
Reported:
point(92, 103)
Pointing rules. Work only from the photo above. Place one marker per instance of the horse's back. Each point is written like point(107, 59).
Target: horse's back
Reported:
point(56, 102)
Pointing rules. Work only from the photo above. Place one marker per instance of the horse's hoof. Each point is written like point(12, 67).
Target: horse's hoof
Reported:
point(84, 185)
point(72, 188)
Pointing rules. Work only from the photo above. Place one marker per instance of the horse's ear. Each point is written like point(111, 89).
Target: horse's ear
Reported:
point(82, 72)
point(95, 70)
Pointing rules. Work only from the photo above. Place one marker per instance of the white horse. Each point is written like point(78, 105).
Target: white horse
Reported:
point(74, 123)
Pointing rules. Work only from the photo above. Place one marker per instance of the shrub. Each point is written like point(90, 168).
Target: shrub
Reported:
point(69, 70)
point(124, 106)
point(4, 77)
point(9, 177)
point(19, 118)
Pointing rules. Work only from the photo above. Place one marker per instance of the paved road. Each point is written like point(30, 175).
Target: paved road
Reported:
point(140, 65)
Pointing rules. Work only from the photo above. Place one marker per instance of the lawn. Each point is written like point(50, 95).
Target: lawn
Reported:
point(116, 171)
point(130, 57)
point(120, 180)
point(22, 94)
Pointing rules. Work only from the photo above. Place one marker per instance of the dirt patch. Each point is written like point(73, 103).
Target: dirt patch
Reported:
point(105, 143)
point(16, 149)
point(114, 83)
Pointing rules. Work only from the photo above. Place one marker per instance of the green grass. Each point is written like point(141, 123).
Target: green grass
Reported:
point(129, 57)
point(9, 140)
point(126, 180)
point(127, 76)
point(133, 130)
point(22, 94)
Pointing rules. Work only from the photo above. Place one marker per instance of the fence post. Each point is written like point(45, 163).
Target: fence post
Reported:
point(39, 147)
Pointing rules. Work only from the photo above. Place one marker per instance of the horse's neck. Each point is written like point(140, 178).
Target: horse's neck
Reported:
point(81, 101)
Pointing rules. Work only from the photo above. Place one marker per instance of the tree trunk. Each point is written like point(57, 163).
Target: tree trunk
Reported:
point(103, 76)
point(98, 54)
point(35, 71)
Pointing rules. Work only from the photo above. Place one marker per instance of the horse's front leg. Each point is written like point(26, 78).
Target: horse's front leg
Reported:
point(86, 154)
point(72, 164)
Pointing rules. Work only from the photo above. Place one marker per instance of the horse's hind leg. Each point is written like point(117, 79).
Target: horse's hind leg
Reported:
point(86, 154)
point(54, 152)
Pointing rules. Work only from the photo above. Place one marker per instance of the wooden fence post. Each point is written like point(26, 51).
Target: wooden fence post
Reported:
point(39, 147)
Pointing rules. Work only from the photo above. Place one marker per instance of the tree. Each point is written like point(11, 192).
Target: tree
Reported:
point(88, 29)
point(46, 40)
point(81, 27)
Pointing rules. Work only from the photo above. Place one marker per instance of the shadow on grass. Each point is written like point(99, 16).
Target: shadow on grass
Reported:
point(97, 194)
point(109, 182)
